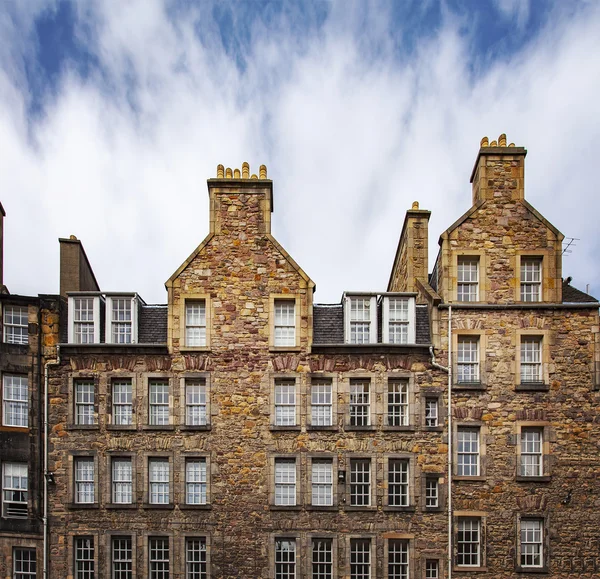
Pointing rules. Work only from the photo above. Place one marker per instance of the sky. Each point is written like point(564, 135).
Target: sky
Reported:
point(114, 114)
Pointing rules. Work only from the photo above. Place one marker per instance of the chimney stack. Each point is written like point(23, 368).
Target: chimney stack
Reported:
point(499, 171)
point(76, 274)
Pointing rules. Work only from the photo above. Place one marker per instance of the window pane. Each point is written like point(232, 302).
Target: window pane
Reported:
point(468, 452)
point(398, 482)
point(397, 559)
point(285, 323)
point(15, 397)
point(360, 483)
point(122, 482)
point(16, 325)
point(322, 482)
point(195, 558)
point(14, 490)
point(322, 559)
point(431, 412)
point(122, 558)
point(195, 481)
point(285, 403)
point(84, 480)
point(85, 396)
point(285, 558)
point(360, 320)
point(468, 359)
point(159, 403)
point(360, 558)
point(531, 452)
point(468, 547)
point(468, 278)
point(85, 567)
point(195, 324)
point(531, 279)
point(159, 471)
point(531, 360)
point(531, 542)
point(321, 403)
point(24, 563)
point(195, 402)
point(397, 407)
point(360, 406)
point(159, 557)
point(285, 481)
point(122, 402)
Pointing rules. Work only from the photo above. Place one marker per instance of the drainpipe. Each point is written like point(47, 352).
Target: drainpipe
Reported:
point(47, 473)
point(448, 369)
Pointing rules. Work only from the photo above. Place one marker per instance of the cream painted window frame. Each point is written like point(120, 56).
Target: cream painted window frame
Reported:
point(482, 289)
point(544, 336)
point(297, 317)
point(546, 430)
point(347, 301)
point(411, 323)
point(184, 299)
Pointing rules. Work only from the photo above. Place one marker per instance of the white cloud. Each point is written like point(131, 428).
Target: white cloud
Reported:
point(351, 130)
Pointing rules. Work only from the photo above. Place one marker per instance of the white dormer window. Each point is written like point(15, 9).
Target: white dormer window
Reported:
point(398, 320)
point(84, 319)
point(361, 319)
point(121, 319)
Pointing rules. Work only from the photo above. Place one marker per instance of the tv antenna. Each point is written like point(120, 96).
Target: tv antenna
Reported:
point(568, 243)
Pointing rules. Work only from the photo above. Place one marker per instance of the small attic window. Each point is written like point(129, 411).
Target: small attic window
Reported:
point(360, 314)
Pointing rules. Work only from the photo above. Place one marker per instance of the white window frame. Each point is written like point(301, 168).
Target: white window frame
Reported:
point(84, 556)
point(531, 539)
point(196, 481)
point(531, 359)
point(360, 560)
point(84, 396)
point(72, 332)
point(398, 559)
point(322, 558)
point(398, 402)
point(468, 451)
point(15, 400)
point(156, 556)
point(196, 558)
point(352, 319)
point(432, 412)
point(121, 557)
point(467, 278)
point(286, 483)
point(322, 482)
point(121, 480)
point(24, 563)
point(531, 463)
point(284, 322)
point(286, 402)
point(398, 490)
point(196, 322)
point(122, 401)
point(196, 401)
point(468, 542)
point(111, 322)
point(361, 481)
point(359, 403)
point(15, 331)
point(432, 492)
point(159, 485)
point(157, 405)
point(530, 276)
point(321, 402)
point(468, 364)
point(84, 468)
point(432, 569)
point(403, 319)
point(286, 560)
point(15, 490)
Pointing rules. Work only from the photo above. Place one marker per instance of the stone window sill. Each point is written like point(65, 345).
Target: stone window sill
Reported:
point(438, 509)
point(158, 427)
point(186, 507)
point(322, 508)
point(122, 506)
point(121, 427)
point(351, 428)
point(285, 507)
point(433, 428)
point(476, 386)
point(359, 509)
point(540, 570)
point(469, 478)
point(399, 428)
point(532, 387)
point(461, 569)
point(190, 349)
point(83, 506)
point(83, 427)
point(392, 509)
point(168, 507)
point(285, 349)
point(534, 479)
point(195, 427)
point(274, 428)
point(332, 428)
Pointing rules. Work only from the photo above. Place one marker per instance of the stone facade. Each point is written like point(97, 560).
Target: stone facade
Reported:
point(227, 456)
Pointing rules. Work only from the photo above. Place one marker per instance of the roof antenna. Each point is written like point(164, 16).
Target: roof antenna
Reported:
point(570, 242)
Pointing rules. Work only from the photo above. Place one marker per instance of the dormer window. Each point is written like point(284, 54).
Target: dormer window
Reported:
point(84, 317)
point(361, 319)
point(121, 317)
point(398, 320)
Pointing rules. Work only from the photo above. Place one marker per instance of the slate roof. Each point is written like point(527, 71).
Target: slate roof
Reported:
point(152, 324)
point(572, 295)
point(328, 324)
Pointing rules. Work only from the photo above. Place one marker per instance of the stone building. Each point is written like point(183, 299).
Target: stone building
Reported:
point(29, 334)
point(241, 431)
